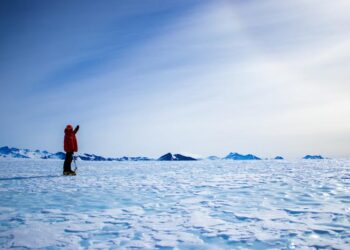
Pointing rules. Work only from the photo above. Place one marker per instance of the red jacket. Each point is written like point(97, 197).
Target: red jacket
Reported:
point(70, 141)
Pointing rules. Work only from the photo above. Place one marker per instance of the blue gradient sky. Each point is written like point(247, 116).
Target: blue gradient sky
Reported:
point(197, 77)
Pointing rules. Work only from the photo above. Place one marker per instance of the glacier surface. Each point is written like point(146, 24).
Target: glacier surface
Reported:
point(175, 205)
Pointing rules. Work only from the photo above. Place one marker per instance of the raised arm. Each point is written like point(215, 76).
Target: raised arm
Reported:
point(76, 129)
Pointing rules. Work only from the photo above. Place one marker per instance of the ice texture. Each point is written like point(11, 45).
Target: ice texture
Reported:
point(175, 205)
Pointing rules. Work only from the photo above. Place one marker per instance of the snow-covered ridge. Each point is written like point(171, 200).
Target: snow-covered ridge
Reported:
point(313, 157)
point(236, 156)
point(176, 157)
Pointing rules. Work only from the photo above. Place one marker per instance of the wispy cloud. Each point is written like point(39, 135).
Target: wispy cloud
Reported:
point(267, 77)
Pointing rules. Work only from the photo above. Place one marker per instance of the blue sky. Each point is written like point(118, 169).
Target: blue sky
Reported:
point(197, 77)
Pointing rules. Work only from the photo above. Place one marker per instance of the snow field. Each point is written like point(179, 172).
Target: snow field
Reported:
point(176, 205)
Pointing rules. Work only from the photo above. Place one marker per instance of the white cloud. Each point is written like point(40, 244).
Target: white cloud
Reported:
point(267, 77)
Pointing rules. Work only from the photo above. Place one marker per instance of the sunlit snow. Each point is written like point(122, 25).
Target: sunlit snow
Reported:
point(176, 205)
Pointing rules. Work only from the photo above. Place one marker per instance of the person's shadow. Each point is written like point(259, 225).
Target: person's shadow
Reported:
point(29, 177)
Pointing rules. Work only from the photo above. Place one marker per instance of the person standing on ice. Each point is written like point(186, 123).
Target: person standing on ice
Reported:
point(70, 146)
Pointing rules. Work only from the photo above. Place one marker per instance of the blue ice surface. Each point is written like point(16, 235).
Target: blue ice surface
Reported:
point(175, 205)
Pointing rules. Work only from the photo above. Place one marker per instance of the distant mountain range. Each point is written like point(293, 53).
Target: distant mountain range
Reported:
point(239, 157)
point(7, 152)
point(279, 158)
point(176, 157)
point(27, 153)
point(313, 157)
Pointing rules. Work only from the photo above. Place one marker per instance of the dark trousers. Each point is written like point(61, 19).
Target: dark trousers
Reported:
point(68, 162)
